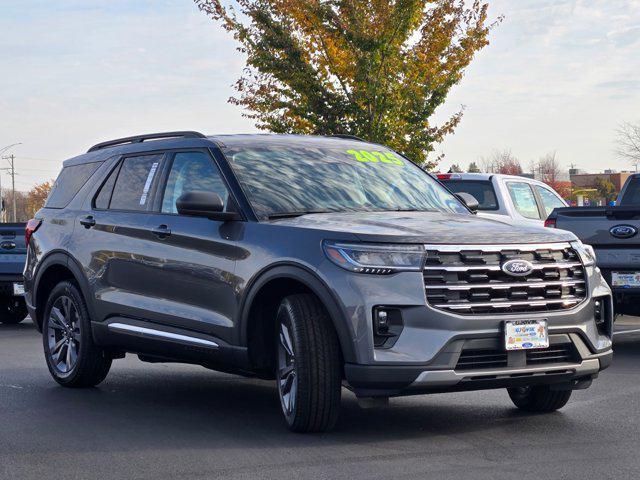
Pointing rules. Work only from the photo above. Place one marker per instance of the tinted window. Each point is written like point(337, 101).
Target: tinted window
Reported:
point(134, 182)
point(549, 200)
point(523, 199)
point(632, 193)
point(335, 176)
point(104, 196)
point(69, 183)
point(191, 171)
point(481, 190)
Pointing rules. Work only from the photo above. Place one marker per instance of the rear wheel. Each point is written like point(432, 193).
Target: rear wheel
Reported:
point(72, 357)
point(308, 365)
point(12, 310)
point(539, 398)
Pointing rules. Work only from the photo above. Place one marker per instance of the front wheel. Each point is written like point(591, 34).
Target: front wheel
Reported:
point(539, 399)
point(72, 357)
point(308, 365)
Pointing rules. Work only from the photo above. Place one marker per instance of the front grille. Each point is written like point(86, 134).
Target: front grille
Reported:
point(482, 359)
point(470, 280)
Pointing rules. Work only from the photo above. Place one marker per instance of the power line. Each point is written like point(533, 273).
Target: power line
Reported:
point(12, 169)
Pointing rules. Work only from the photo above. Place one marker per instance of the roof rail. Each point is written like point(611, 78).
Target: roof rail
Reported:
point(142, 138)
point(344, 135)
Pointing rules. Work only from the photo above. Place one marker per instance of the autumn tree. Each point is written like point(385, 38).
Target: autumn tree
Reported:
point(606, 189)
point(473, 168)
point(377, 69)
point(455, 168)
point(501, 161)
point(37, 196)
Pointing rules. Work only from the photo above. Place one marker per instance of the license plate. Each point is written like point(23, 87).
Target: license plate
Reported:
point(625, 279)
point(18, 289)
point(526, 334)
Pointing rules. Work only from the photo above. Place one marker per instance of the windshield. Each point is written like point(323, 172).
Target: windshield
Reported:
point(305, 178)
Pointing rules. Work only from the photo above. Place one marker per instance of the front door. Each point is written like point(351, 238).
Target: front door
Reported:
point(194, 258)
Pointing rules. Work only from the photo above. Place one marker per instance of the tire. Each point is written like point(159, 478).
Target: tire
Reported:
point(72, 357)
point(13, 311)
point(308, 365)
point(539, 399)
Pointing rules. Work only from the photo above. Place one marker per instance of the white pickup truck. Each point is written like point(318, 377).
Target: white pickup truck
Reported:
point(523, 200)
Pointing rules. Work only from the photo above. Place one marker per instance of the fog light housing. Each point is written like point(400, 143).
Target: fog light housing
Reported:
point(387, 326)
point(598, 311)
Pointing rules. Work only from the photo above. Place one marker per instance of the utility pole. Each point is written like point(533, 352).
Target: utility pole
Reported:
point(12, 172)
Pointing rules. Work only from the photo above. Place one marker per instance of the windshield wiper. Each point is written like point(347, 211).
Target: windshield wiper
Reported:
point(273, 216)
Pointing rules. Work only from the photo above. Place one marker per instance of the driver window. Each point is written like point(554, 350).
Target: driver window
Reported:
point(192, 171)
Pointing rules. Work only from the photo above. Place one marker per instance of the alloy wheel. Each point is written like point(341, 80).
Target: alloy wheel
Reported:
point(287, 375)
point(63, 333)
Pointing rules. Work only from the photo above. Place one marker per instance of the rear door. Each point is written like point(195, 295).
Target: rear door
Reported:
point(112, 238)
point(548, 200)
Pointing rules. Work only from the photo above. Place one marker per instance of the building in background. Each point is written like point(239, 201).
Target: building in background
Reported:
point(588, 180)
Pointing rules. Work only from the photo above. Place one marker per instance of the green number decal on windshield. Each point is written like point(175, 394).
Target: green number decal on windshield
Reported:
point(375, 156)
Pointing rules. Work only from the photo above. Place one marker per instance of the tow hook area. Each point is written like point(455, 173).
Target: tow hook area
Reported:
point(577, 384)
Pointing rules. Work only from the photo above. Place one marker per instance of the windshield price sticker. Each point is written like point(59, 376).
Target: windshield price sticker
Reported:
point(374, 156)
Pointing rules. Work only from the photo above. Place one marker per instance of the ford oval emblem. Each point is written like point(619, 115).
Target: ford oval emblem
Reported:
point(517, 268)
point(623, 231)
point(8, 245)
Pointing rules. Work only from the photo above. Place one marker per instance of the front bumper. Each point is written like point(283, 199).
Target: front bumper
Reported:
point(374, 380)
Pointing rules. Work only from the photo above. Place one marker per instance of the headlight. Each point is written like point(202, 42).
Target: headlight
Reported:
point(375, 258)
point(586, 252)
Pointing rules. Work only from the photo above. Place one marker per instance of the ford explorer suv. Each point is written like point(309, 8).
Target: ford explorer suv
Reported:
point(510, 198)
point(613, 231)
point(13, 253)
point(314, 261)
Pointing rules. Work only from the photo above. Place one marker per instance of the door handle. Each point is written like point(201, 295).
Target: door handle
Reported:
point(88, 221)
point(161, 231)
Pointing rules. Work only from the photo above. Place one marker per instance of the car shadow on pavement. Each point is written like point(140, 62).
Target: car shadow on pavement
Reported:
point(196, 410)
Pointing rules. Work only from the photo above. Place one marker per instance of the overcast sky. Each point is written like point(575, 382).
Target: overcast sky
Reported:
point(559, 75)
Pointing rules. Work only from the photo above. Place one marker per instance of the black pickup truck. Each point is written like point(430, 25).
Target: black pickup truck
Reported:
point(13, 254)
point(613, 232)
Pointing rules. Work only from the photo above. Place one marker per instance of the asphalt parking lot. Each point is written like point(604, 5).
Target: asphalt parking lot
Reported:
point(175, 421)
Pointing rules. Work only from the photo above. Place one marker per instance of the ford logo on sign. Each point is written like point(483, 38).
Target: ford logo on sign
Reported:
point(517, 268)
point(623, 231)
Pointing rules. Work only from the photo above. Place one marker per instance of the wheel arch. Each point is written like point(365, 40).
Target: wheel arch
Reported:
point(263, 297)
point(54, 268)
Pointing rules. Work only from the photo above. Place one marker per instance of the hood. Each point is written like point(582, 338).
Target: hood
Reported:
point(427, 227)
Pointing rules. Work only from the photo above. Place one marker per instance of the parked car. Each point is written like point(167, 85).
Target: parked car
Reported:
point(311, 260)
point(525, 201)
point(613, 232)
point(13, 253)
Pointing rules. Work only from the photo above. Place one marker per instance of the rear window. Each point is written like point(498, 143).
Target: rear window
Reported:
point(69, 183)
point(134, 182)
point(632, 193)
point(482, 190)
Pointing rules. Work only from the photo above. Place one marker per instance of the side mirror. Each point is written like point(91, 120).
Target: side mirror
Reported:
point(469, 200)
point(204, 204)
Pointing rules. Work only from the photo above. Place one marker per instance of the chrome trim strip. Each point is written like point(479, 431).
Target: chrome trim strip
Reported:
point(500, 286)
point(536, 266)
point(125, 327)
point(441, 378)
point(533, 303)
point(523, 247)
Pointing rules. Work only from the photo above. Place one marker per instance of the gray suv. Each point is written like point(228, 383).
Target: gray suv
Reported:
point(320, 262)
